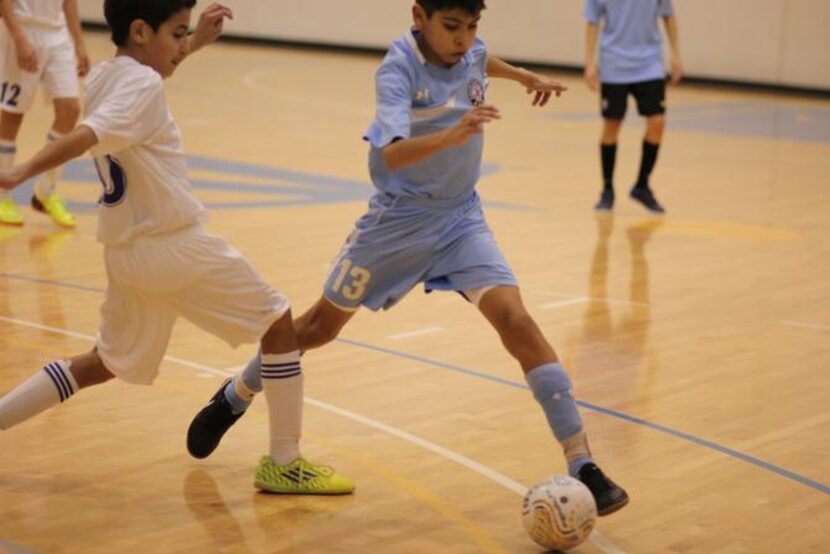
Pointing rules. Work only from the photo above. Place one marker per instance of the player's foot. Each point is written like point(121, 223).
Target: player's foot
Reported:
point(210, 424)
point(9, 214)
point(609, 496)
point(606, 201)
point(54, 207)
point(300, 477)
point(644, 196)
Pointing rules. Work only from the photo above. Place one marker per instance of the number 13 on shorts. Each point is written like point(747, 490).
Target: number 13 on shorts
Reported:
point(355, 288)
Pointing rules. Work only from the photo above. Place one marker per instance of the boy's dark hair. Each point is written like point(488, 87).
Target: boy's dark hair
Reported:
point(120, 14)
point(469, 6)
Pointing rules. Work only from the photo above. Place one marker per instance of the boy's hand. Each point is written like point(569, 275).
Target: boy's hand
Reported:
point(83, 60)
point(591, 77)
point(543, 88)
point(676, 71)
point(26, 56)
point(210, 25)
point(471, 124)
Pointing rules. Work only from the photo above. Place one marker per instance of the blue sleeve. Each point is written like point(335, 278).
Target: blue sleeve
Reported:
point(393, 113)
point(666, 8)
point(593, 11)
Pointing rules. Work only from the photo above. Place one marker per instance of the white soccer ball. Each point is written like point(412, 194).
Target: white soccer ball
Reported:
point(559, 513)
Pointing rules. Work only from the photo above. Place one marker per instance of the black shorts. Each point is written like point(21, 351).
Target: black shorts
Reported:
point(650, 96)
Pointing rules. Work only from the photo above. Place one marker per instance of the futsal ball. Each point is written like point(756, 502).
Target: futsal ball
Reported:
point(559, 513)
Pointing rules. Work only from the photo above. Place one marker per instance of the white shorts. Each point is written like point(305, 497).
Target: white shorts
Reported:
point(57, 67)
point(189, 273)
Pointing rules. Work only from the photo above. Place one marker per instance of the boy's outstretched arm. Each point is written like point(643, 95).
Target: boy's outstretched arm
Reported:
point(676, 65)
point(406, 152)
point(52, 155)
point(536, 84)
point(209, 27)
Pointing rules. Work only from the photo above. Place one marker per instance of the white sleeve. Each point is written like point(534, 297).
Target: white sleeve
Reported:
point(128, 116)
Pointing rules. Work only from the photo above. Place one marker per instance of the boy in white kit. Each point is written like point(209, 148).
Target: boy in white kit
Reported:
point(40, 42)
point(160, 262)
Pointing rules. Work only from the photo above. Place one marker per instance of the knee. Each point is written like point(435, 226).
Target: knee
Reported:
point(520, 322)
point(67, 114)
point(611, 130)
point(280, 337)
point(656, 124)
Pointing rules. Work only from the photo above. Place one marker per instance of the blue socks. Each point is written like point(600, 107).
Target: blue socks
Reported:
point(552, 388)
point(240, 391)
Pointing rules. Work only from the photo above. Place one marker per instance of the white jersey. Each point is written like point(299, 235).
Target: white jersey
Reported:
point(139, 155)
point(43, 12)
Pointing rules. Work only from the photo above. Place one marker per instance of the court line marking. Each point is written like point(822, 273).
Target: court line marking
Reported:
point(791, 475)
point(806, 325)
point(416, 333)
point(563, 303)
point(12, 548)
point(596, 538)
point(613, 413)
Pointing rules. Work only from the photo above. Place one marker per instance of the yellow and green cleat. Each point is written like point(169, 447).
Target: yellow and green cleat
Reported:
point(9, 214)
point(54, 207)
point(300, 477)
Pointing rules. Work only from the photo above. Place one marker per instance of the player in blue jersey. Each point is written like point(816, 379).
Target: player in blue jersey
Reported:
point(425, 224)
point(630, 62)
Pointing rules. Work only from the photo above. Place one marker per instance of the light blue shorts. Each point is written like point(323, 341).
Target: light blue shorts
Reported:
point(401, 242)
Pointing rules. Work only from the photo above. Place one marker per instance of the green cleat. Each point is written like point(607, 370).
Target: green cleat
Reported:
point(300, 477)
point(54, 207)
point(9, 214)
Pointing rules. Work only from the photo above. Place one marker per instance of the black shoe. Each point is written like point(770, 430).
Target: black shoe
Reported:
point(210, 424)
point(606, 201)
point(644, 196)
point(609, 496)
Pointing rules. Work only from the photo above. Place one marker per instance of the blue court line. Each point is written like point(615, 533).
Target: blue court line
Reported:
point(772, 120)
point(278, 188)
point(12, 548)
point(613, 413)
point(778, 470)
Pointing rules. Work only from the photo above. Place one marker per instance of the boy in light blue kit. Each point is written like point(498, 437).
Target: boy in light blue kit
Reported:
point(630, 62)
point(425, 223)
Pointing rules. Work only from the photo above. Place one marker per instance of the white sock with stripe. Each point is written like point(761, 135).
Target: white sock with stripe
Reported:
point(8, 149)
point(46, 388)
point(282, 383)
point(45, 186)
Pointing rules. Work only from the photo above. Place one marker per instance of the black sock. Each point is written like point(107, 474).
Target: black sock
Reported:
point(647, 163)
point(608, 155)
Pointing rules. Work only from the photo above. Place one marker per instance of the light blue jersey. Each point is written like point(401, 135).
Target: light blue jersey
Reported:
point(631, 46)
point(424, 223)
point(416, 98)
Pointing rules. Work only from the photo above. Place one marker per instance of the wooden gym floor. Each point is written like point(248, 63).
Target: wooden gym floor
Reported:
point(699, 343)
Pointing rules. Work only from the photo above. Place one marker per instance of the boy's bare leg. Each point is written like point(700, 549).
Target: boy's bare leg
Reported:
point(551, 386)
point(67, 112)
point(55, 383)
point(9, 127)
point(608, 159)
point(642, 192)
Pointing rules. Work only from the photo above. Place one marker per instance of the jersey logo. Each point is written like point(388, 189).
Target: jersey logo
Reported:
point(422, 96)
point(113, 178)
point(475, 92)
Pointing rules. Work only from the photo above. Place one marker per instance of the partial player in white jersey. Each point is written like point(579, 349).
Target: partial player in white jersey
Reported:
point(160, 262)
point(40, 43)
